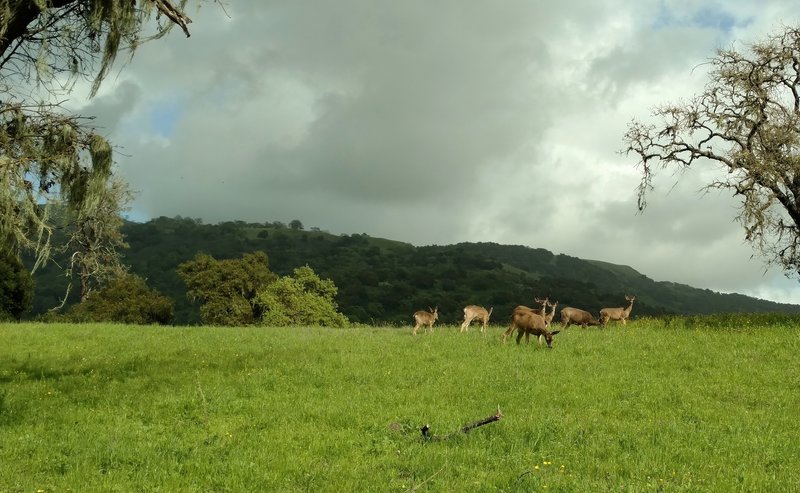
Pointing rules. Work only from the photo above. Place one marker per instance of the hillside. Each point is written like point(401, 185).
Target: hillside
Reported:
point(384, 281)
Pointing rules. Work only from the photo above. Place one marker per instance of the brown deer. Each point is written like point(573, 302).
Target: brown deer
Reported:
point(528, 323)
point(524, 309)
point(425, 318)
point(621, 314)
point(549, 317)
point(475, 312)
point(539, 311)
point(577, 316)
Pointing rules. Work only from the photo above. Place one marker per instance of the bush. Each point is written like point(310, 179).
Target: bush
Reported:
point(301, 299)
point(16, 288)
point(126, 299)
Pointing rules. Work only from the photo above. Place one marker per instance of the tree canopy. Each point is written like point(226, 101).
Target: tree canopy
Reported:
point(243, 291)
point(226, 288)
point(747, 119)
point(47, 155)
point(300, 299)
point(125, 299)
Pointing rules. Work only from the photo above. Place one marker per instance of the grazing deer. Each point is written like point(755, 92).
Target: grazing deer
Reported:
point(525, 309)
point(475, 312)
point(425, 318)
point(622, 314)
point(527, 323)
point(577, 316)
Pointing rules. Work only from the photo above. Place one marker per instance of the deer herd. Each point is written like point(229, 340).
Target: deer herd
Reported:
point(530, 321)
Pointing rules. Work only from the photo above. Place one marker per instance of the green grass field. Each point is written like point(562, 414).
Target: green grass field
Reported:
point(644, 407)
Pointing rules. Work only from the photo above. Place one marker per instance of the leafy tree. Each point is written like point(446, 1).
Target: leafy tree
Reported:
point(47, 155)
point(226, 288)
point(747, 119)
point(126, 299)
point(296, 224)
point(16, 288)
point(301, 299)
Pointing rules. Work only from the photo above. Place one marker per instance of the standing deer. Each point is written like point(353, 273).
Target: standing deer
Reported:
point(548, 319)
point(524, 309)
point(475, 312)
point(577, 316)
point(622, 314)
point(539, 311)
point(425, 318)
point(527, 323)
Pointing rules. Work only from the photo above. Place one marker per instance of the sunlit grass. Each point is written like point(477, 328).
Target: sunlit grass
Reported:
point(645, 407)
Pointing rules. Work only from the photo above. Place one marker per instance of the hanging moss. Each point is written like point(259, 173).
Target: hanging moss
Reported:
point(48, 156)
point(101, 153)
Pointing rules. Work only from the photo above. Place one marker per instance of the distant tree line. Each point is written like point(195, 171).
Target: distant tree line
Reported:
point(367, 280)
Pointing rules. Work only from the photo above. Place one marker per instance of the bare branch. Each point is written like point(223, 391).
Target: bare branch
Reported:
point(747, 120)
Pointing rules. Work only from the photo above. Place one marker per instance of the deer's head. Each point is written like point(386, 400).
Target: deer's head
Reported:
point(548, 338)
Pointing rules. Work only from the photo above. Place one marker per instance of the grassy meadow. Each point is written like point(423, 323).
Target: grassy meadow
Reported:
point(650, 406)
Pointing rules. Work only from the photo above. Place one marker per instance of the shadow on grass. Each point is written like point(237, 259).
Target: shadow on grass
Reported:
point(32, 370)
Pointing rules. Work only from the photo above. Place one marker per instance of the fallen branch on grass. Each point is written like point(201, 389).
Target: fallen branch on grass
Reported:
point(426, 430)
point(415, 488)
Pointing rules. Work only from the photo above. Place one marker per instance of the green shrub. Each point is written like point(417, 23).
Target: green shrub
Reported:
point(16, 288)
point(301, 299)
point(126, 299)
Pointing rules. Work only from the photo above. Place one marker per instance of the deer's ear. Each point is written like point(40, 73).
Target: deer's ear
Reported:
point(554, 333)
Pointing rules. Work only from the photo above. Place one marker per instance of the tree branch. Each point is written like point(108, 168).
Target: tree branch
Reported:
point(426, 433)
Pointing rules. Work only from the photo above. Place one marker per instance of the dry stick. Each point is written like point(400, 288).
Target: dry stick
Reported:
point(414, 488)
point(426, 430)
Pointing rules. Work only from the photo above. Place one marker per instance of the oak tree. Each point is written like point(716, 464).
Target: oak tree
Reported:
point(226, 289)
point(746, 120)
point(48, 155)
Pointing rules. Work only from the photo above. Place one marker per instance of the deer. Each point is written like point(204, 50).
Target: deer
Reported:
point(524, 309)
point(577, 316)
point(549, 317)
point(621, 314)
point(527, 323)
point(475, 312)
point(425, 318)
point(539, 311)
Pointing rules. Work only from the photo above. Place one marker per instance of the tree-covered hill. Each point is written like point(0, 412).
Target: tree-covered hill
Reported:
point(385, 281)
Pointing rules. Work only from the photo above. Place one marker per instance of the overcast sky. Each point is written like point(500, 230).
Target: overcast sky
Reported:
point(437, 122)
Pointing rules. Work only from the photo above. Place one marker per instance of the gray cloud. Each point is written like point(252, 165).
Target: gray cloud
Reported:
point(112, 108)
point(437, 124)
